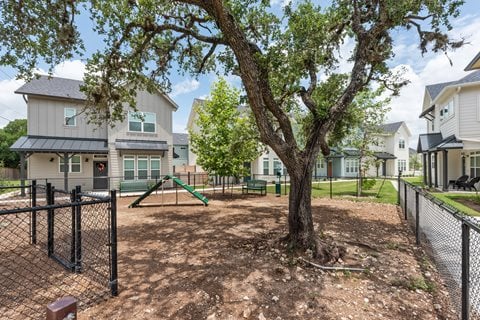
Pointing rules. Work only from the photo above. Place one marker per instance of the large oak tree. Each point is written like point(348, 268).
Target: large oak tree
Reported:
point(283, 59)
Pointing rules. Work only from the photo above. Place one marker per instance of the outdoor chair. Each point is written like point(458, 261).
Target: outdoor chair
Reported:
point(470, 184)
point(458, 183)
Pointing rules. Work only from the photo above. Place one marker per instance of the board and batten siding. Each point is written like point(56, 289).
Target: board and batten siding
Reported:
point(46, 118)
point(469, 105)
point(147, 102)
point(448, 126)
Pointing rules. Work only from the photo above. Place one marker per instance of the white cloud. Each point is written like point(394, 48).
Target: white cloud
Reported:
point(12, 106)
point(185, 86)
point(436, 69)
point(74, 69)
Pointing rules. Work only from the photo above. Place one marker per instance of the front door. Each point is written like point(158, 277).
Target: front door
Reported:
point(100, 175)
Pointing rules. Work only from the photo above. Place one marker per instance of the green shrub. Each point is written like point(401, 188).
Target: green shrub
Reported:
point(368, 184)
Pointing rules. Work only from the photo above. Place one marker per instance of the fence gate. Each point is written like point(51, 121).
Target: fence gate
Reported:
point(54, 244)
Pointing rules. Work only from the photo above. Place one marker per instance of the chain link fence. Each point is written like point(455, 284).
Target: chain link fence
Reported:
point(452, 240)
point(55, 244)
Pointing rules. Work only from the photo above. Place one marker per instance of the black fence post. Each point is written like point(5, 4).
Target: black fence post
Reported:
point(465, 271)
point(34, 212)
point(398, 189)
point(78, 230)
point(405, 202)
point(417, 217)
point(50, 222)
point(73, 199)
point(113, 243)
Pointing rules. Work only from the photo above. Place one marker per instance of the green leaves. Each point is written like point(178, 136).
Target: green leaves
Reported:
point(8, 135)
point(226, 137)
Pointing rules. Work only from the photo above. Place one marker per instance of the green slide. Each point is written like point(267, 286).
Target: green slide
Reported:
point(185, 186)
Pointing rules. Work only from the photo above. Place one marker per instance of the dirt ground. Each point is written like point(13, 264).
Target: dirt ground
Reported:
point(224, 261)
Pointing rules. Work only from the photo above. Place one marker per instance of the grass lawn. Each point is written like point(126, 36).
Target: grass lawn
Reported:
point(452, 200)
point(7, 183)
point(348, 189)
point(416, 181)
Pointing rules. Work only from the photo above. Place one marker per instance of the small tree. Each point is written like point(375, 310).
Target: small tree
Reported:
point(226, 139)
point(415, 163)
point(371, 112)
point(8, 135)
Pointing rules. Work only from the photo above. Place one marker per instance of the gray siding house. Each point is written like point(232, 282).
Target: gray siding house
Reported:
point(62, 147)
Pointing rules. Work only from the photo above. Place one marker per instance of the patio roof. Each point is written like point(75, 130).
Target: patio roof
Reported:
point(450, 142)
point(384, 155)
point(59, 144)
point(427, 141)
point(141, 145)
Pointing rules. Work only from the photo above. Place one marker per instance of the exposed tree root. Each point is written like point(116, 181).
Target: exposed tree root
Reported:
point(321, 251)
point(332, 268)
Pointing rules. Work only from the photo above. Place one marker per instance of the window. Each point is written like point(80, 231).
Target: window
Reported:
point(70, 118)
point(277, 166)
point(265, 166)
point(155, 167)
point(447, 111)
point(320, 164)
point(402, 165)
point(129, 167)
point(142, 167)
point(141, 121)
point(433, 125)
point(474, 164)
point(137, 167)
point(401, 143)
point(74, 164)
point(351, 165)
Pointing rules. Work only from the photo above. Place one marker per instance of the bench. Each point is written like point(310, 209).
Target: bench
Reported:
point(255, 185)
point(133, 186)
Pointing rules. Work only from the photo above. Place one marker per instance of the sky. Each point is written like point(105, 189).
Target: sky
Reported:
point(419, 70)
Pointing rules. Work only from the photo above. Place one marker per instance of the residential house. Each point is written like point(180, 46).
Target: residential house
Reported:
point(451, 146)
point(392, 155)
point(64, 148)
point(180, 149)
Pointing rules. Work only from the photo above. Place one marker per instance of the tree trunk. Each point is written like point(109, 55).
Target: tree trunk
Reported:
point(301, 231)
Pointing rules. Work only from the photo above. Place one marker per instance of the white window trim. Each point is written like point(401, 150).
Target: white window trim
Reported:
point(130, 157)
point(450, 105)
point(142, 122)
point(149, 159)
point(399, 144)
point(69, 164)
point(74, 117)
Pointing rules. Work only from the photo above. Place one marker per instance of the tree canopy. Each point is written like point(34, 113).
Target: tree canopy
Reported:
point(225, 139)
point(286, 60)
point(8, 135)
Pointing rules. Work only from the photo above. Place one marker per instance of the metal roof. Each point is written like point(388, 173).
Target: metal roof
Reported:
point(426, 141)
point(384, 155)
point(435, 141)
point(180, 138)
point(59, 144)
point(149, 145)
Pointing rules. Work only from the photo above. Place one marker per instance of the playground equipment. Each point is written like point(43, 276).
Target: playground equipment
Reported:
point(179, 182)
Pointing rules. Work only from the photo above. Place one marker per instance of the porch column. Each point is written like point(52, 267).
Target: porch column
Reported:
point(384, 168)
point(464, 170)
point(429, 168)
point(424, 168)
point(435, 157)
point(445, 170)
point(65, 171)
point(22, 173)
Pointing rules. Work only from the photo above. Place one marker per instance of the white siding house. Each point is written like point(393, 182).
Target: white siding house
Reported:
point(451, 146)
point(96, 157)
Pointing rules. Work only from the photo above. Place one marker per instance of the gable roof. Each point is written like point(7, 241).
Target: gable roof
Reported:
point(474, 64)
point(180, 138)
point(47, 86)
point(434, 90)
point(390, 127)
point(53, 87)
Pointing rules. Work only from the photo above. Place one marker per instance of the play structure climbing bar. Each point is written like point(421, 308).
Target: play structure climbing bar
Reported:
point(179, 182)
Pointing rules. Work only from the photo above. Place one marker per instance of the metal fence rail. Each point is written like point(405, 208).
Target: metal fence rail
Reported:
point(55, 244)
point(453, 241)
